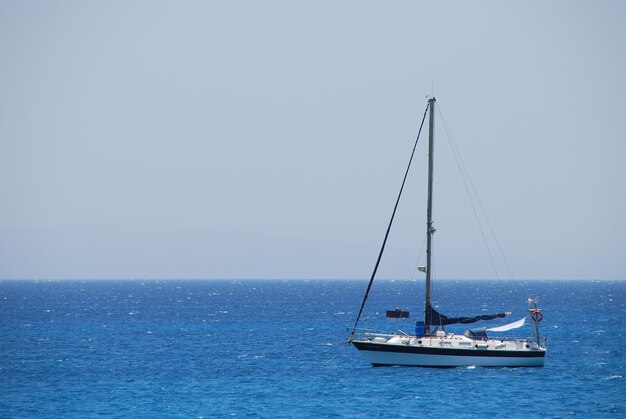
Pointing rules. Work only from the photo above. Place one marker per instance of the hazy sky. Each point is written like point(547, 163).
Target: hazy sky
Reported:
point(234, 139)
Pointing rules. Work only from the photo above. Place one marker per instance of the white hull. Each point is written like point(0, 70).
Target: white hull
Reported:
point(447, 353)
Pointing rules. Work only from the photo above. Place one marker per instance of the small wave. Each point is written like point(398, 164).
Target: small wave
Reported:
point(613, 377)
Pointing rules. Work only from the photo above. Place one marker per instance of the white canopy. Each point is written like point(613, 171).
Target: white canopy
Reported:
point(509, 326)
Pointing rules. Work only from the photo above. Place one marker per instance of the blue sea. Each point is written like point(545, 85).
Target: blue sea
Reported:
point(276, 349)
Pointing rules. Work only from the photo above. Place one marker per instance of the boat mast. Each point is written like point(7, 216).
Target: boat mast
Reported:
point(429, 214)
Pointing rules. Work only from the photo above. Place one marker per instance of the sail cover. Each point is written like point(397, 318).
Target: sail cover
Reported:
point(442, 320)
point(397, 314)
point(509, 326)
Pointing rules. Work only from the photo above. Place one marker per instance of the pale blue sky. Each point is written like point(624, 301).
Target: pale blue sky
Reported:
point(199, 139)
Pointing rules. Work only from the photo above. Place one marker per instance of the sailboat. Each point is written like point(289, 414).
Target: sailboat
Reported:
point(431, 345)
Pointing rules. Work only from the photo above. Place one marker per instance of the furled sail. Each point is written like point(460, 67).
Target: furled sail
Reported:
point(509, 326)
point(438, 319)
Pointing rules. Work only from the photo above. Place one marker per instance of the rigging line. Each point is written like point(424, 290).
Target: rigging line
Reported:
point(482, 208)
point(469, 195)
point(382, 249)
point(331, 359)
point(334, 348)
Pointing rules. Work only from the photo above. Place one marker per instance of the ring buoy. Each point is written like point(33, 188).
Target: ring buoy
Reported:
point(536, 316)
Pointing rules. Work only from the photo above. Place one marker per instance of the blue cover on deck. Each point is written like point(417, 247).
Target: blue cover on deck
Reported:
point(419, 328)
